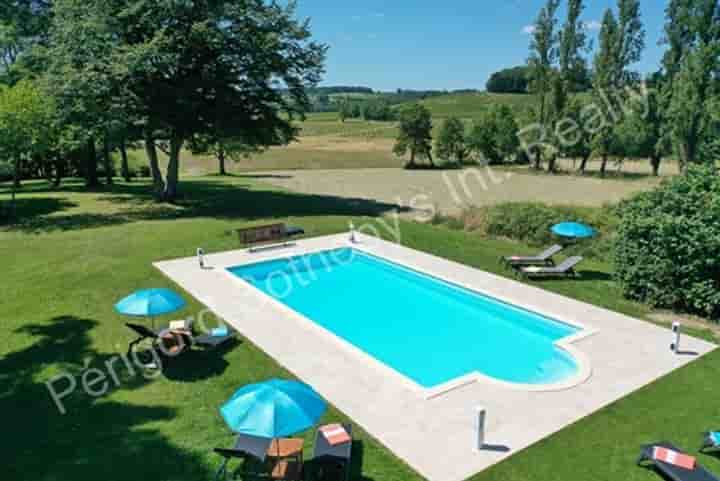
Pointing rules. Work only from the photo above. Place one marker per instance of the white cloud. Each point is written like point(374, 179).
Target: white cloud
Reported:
point(592, 25)
point(528, 29)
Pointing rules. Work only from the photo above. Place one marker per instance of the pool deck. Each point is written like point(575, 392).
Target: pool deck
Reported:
point(435, 434)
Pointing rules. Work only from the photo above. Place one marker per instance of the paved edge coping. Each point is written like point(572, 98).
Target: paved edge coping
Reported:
point(363, 245)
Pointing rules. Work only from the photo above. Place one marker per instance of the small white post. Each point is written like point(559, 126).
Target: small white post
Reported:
point(675, 345)
point(201, 257)
point(480, 419)
point(352, 233)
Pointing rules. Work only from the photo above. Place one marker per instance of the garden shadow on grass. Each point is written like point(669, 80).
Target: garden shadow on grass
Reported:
point(209, 198)
point(97, 438)
point(199, 364)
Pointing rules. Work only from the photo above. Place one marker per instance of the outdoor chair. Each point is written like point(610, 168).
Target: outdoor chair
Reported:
point(670, 471)
point(543, 259)
point(258, 452)
point(564, 269)
point(329, 459)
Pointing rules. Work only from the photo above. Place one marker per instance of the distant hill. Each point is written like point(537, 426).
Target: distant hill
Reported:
point(471, 105)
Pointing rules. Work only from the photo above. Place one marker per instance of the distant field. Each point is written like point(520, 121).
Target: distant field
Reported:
point(471, 105)
point(327, 143)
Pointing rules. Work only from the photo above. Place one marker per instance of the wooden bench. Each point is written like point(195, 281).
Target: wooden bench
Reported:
point(267, 236)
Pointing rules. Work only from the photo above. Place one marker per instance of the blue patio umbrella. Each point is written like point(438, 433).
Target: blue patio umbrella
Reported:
point(273, 409)
point(573, 230)
point(150, 303)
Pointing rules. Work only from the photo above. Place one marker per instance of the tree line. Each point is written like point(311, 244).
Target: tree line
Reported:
point(85, 79)
point(674, 112)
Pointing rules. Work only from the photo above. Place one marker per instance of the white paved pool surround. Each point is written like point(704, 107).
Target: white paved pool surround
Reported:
point(433, 430)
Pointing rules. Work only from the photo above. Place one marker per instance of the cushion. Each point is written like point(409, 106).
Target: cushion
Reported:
point(221, 331)
point(532, 269)
point(715, 437)
point(673, 457)
point(335, 434)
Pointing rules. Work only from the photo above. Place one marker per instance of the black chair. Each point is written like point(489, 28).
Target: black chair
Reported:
point(329, 459)
point(247, 448)
point(672, 472)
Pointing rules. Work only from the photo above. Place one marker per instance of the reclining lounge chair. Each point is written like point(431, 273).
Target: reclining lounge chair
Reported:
point(564, 269)
point(670, 471)
point(542, 259)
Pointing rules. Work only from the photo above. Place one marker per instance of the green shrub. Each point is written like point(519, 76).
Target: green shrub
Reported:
point(6, 171)
point(530, 223)
point(668, 244)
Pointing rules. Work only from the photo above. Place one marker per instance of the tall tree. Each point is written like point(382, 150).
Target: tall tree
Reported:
point(27, 126)
point(692, 66)
point(450, 143)
point(494, 136)
point(415, 134)
point(196, 68)
point(543, 57)
point(572, 65)
point(82, 75)
point(604, 83)
point(23, 24)
point(622, 41)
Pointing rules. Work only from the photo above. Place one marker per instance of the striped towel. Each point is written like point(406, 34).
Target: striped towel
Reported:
point(673, 457)
point(335, 434)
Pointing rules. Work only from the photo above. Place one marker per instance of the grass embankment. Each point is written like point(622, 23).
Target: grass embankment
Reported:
point(75, 253)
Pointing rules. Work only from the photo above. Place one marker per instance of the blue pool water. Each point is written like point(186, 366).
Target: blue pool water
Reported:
point(427, 329)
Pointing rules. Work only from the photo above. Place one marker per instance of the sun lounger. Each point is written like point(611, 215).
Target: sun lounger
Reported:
point(711, 442)
point(542, 259)
point(267, 236)
point(327, 457)
point(564, 269)
point(188, 340)
point(670, 471)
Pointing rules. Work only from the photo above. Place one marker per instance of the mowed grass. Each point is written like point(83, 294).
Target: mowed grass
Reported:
point(75, 253)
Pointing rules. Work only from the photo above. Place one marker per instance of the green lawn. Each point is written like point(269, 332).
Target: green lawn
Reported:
point(75, 253)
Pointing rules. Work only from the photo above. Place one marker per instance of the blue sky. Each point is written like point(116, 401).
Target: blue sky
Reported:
point(423, 44)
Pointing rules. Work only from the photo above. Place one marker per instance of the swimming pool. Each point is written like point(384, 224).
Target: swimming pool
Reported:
point(429, 330)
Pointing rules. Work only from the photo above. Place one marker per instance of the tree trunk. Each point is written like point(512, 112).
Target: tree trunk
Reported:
point(59, 172)
point(16, 174)
point(107, 161)
point(15, 187)
point(583, 164)
point(551, 163)
point(411, 164)
point(603, 165)
point(171, 177)
point(430, 159)
point(124, 166)
point(655, 161)
point(91, 173)
point(221, 159)
point(151, 151)
point(538, 159)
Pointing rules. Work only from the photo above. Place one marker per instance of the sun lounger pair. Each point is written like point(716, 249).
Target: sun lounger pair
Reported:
point(157, 336)
point(327, 459)
point(671, 471)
